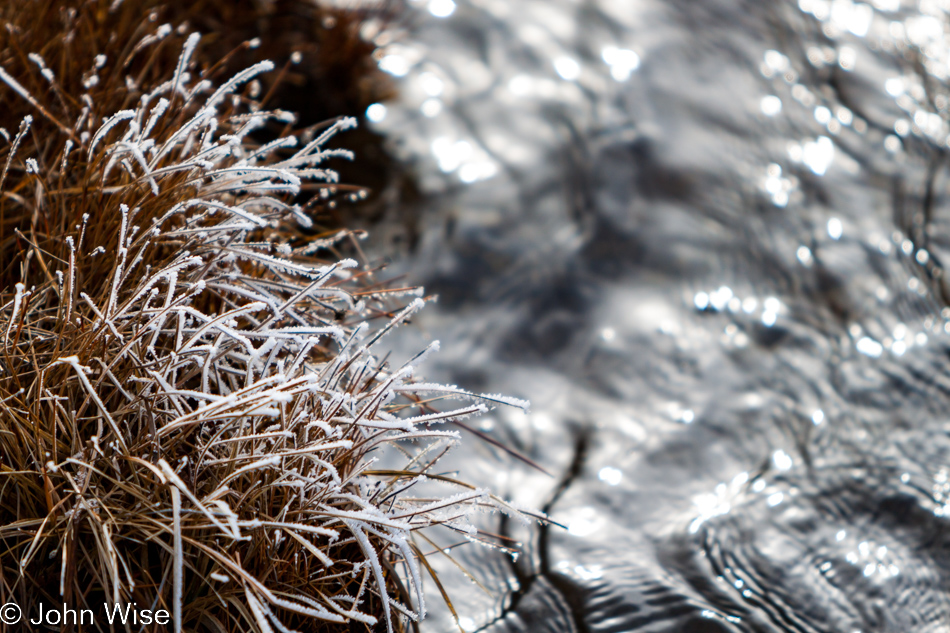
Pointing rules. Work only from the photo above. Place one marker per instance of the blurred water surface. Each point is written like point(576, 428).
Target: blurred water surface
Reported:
point(705, 239)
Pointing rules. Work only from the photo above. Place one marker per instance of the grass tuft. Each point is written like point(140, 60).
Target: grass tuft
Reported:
point(192, 415)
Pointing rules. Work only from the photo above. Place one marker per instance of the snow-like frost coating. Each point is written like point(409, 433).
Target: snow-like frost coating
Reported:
point(252, 361)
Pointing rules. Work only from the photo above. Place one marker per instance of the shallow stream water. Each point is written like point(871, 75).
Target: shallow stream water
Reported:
point(705, 239)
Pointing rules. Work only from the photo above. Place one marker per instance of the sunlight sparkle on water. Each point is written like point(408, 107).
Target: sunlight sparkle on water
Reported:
point(520, 85)
point(594, 572)
point(717, 503)
point(610, 476)
point(869, 347)
point(709, 506)
point(622, 61)
point(854, 17)
point(844, 15)
point(431, 107)
point(924, 29)
point(461, 155)
point(894, 86)
point(770, 105)
point(473, 172)
point(847, 57)
point(775, 63)
point(782, 460)
point(701, 300)
point(873, 560)
point(680, 413)
point(585, 522)
point(591, 572)
point(567, 68)
point(395, 65)
point(777, 186)
point(835, 228)
point(818, 154)
point(431, 84)
point(450, 155)
point(541, 421)
point(804, 256)
point(770, 309)
point(720, 298)
point(441, 8)
point(376, 112)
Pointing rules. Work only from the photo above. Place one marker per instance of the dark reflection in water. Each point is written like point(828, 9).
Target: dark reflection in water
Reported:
point(706, 240)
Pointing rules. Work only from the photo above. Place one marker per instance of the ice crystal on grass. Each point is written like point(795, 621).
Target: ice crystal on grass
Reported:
point(194, 418)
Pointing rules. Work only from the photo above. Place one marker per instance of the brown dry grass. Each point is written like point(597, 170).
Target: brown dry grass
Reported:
point(189, 403)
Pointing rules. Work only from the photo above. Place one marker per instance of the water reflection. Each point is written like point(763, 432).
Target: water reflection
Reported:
point(623, 62)
point(707, 241)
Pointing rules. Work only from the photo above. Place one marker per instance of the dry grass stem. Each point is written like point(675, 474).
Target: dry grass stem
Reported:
point(192, 415)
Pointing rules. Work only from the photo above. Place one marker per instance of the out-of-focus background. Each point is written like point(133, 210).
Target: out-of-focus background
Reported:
point(706, 240)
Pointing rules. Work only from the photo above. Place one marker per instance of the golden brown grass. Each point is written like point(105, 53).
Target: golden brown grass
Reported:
point(192, 417)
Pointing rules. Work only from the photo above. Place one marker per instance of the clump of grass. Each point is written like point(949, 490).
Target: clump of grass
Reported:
point(192, 415)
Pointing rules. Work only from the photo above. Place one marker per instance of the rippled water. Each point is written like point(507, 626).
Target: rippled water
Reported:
point(705, 239)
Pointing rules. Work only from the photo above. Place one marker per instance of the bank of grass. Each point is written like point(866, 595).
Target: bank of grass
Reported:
point(192, 416)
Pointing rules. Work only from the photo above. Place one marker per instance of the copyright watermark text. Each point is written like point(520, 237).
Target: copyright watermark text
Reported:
point(10, 613)
point(53, 615)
